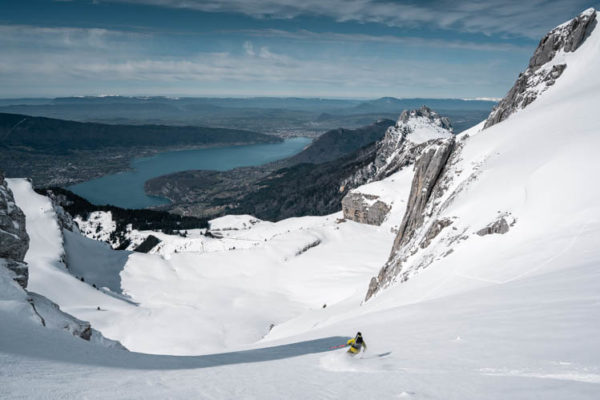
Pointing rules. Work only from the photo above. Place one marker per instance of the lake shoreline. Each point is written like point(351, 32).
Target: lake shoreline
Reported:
point(167, 161)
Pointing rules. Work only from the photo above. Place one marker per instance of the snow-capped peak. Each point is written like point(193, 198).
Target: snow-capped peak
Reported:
point(422, 125)
point(547, 64)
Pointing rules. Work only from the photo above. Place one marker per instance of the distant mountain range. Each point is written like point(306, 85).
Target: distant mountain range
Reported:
point(288, 103)
point(278, 116)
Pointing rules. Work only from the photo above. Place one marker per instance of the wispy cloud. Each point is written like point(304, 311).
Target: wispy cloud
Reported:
point(44, 38)
point(528, 18)
point(306, 35)
point(65, 59)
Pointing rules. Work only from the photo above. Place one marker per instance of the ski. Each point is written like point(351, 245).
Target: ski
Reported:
point(380, 355)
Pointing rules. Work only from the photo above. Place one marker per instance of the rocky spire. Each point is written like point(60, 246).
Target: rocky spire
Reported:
point(427, 114)
point(402, 144)
point(429, 168)
point(544, 68)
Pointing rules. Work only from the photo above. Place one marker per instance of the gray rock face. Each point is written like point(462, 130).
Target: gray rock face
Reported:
point(538, 77)
point(434, 230)
point(567, 37)
point(64, 219)
point(364, 208)
point(148, 244)
point(428, 113)
point(14, 241)
point(20, 270)
point(499, 226)
point(428, 170)
point(396, 151)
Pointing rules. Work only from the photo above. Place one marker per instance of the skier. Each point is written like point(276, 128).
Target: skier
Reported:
point(356, 345)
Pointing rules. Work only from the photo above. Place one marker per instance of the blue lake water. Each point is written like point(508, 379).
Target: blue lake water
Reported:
point(126, 189)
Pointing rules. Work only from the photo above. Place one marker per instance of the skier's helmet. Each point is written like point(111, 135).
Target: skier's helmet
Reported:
point(359, 334)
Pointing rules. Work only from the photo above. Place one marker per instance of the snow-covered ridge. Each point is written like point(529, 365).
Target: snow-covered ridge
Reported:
point(547, 64)
point(508, 184)
point(402, 144)
point(422, 125)
point(16, 299)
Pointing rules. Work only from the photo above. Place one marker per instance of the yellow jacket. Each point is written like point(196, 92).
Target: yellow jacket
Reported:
point(356, 347)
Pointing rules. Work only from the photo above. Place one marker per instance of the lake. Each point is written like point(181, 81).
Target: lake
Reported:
point(126, 189)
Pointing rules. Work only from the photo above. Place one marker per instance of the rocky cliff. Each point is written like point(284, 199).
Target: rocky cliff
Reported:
point(14, 240)
point(443, 171)
point(426, 186)
point(364, 208)
point(403, 143)
point(545, 66)
point(14, 245)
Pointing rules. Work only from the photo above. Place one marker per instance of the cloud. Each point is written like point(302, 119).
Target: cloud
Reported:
point(64, 37)
point(529, 18)
point(306, 35)
point(72, 61)
point(263, 67)
point(249, 48)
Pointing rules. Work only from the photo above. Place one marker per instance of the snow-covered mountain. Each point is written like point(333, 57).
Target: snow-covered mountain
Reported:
point(449, 177)
point(487, 282)
point(412, 135)
point(545, 66)
point(16, 298)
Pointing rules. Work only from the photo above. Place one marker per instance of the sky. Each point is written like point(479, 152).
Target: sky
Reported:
point(304, 48)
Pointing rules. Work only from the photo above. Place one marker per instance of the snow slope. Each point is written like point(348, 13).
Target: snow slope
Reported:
point(538, 167)
point(509, 340)
point(227, 291)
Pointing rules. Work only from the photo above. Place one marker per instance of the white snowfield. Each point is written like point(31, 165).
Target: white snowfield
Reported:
point(503, 316)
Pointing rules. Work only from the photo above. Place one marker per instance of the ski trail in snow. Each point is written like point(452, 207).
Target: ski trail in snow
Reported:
point(565, 249)
point(572, 375)
point(556, 256)
point(549, 260)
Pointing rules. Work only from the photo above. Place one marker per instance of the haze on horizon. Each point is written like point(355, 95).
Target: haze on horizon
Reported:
point(333, 49)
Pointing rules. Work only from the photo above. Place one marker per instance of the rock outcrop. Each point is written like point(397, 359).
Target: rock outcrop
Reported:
point(428, 169)
point(364, 208)
point(19, 269)
point(544, 68)
point(64, 219)
point(52, 317)
point(14, 241)
point(148, 244)
point(402, 144)
point(500, 226)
